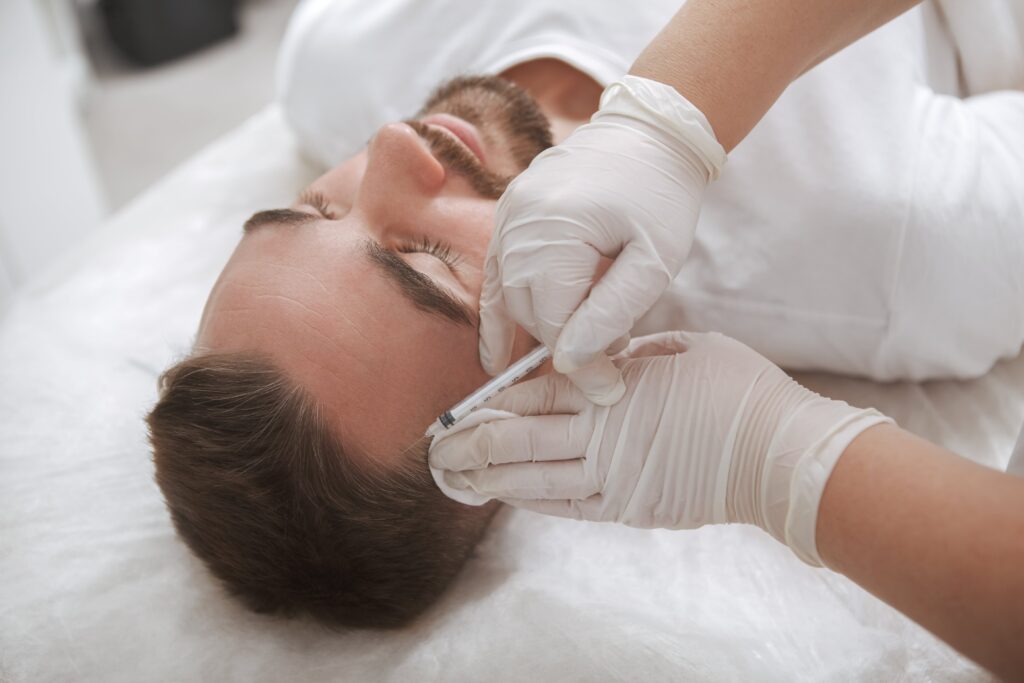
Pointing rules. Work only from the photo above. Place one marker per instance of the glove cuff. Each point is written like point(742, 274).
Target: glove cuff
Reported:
point(662, 106)
point(813, 469)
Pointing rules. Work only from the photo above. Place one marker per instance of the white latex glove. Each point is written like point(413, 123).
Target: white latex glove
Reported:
point(628, 185)
point(709, 431)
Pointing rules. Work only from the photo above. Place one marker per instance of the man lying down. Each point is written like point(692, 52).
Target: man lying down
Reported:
point(339, 329)
point(287, 445)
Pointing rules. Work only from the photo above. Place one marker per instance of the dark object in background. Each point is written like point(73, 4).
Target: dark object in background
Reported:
point(153, 31)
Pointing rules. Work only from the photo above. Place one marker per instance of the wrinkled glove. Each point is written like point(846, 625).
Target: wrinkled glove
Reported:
point(628, 185)
point(709, 431)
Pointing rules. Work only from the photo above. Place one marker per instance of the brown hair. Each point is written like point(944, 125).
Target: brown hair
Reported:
point(261, 490)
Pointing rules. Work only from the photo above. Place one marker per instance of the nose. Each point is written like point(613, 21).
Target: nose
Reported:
point(400, 168)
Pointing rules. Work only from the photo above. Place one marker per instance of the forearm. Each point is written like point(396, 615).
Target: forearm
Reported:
point(937, 537)
point(733, 58)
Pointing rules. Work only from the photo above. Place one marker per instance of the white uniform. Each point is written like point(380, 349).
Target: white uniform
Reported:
point(1016, 464)
point(872, 223)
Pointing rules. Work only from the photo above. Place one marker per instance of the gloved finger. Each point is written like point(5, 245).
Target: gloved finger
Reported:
point(619, 345)
point(600, 381)
point(497, 329)
point(537, 438)
point(546, 395)
point(588, 508)
point(568, 275)
point(559, 480)
point(630, 287)
point(556, 281)
point(658, 344)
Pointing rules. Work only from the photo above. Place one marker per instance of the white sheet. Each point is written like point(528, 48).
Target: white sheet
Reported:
point(94, 586)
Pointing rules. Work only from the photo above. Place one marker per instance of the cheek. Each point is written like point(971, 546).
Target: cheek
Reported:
point(468, 229)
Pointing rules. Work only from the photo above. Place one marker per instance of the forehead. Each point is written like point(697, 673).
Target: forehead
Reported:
point(311, 299)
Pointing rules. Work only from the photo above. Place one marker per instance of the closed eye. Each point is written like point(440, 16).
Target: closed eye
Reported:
point(439, 250)
point(319, 202)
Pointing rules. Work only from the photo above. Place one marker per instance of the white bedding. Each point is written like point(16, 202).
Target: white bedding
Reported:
point(94, 585)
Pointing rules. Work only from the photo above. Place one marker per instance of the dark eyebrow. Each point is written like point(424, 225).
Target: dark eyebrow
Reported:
point(419, 289)
point(289, 217)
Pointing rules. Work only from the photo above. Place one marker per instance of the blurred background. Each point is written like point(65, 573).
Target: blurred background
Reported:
point(103, 97)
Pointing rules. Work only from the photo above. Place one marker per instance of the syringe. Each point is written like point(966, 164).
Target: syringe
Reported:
point(515, 372)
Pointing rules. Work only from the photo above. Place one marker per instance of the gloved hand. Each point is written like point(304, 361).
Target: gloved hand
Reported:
point(709, 431)
point(628, 185)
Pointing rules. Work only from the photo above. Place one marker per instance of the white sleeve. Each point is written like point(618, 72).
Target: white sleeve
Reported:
point(958, 302)
point(1016, 465)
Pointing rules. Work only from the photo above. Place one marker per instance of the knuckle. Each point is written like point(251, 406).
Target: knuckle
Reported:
point(483, 443)
point(445, 452)
point(533, 445)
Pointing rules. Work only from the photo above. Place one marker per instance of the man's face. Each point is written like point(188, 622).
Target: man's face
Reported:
point(366, 290)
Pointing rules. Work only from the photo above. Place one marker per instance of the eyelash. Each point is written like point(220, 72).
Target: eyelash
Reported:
point(319, 202)
point(439, 250)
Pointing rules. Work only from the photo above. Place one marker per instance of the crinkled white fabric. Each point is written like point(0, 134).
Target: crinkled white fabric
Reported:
point(1016, 464)
point(95, 587)
point(990, 42)
point(870, 224)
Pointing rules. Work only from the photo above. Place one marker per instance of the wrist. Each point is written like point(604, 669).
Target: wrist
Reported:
point(782, 450)
point(802, 462)
point(661, 109)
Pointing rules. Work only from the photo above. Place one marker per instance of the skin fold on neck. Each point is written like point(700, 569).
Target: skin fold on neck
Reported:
point(566, 95)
